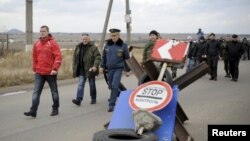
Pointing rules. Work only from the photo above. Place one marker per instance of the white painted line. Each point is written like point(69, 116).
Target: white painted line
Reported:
point(14, 93)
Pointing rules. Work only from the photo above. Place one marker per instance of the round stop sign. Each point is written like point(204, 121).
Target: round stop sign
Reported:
point(151, 96)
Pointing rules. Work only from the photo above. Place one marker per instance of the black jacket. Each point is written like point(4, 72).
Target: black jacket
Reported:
point(235, 50)
point(213, 48)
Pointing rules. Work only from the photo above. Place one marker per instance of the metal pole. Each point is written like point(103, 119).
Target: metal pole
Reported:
point(7, 41)
point(29, 25)
point(128, 22)
point(106, 25)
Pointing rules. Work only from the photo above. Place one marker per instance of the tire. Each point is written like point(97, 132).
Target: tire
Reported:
point(123, 135)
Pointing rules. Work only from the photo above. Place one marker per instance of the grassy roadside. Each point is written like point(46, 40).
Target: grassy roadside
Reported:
point(16, 68)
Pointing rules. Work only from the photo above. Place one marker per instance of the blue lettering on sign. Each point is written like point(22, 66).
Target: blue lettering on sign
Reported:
point(146, 100)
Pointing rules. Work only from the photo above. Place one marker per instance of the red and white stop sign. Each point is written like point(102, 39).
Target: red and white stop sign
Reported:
point(151, 96)
point(171, 50)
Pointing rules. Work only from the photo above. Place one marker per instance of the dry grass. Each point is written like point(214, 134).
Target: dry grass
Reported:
point(16, 68)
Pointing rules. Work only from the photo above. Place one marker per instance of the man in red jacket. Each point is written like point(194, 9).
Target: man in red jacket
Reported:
point(46, 62)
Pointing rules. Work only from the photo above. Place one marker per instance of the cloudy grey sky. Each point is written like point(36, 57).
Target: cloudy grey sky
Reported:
point(166, 16)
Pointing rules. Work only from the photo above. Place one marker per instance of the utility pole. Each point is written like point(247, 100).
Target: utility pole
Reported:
point(29, 25)
point(7, 41)
point(128, 22)
point(106, 24)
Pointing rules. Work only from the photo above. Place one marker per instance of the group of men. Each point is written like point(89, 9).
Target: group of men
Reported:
point(88, 62)
point(47, 59)
point(211, 50)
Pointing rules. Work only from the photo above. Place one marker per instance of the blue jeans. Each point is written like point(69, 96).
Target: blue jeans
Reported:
point(81, 85)
point(39, 83)
point(190, 65)
point(114, 78)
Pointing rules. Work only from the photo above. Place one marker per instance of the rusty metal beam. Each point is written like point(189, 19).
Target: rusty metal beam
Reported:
point(135, 67)
point(189, 77)
point(180, 113)
point(151, 69)
point(181, 132)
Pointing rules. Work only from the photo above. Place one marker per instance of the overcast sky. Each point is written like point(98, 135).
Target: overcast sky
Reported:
point(165, 16)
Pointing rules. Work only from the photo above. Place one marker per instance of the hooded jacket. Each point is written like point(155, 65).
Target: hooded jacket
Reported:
point(46, 56)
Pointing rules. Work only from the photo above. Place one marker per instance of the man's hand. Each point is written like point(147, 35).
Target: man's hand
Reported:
point(101, 70)
point(94, 69)
point(53, 72)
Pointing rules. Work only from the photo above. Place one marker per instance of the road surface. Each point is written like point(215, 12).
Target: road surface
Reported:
point(205, 102)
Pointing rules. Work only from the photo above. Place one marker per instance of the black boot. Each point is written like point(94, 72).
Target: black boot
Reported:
point(111, 109)
point(76, 102)
point(227, 75)
point(30, 113)
point(54, 112)
point(93, 101)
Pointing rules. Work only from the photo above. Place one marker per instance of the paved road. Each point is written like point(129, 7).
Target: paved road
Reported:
point(205, 102)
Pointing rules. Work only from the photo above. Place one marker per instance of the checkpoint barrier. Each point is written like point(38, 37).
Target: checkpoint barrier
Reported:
point(122, 117)
point(126, 119)
point(151, 72)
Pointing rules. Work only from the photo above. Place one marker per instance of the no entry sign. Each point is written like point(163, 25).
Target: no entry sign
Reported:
point(151, 96)
point(170, 50)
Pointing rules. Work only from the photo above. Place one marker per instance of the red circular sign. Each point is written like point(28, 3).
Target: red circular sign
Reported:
point(151, 96)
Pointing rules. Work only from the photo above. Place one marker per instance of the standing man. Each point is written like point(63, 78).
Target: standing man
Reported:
point(153, 36)
point(191, 54)
point(115, 53)
point(200, 51)
point(46, 62)
point(235, 51)
point(246, 48)
point(213, 55)
point(199, 34)
point(86, 60)
point(225, 55)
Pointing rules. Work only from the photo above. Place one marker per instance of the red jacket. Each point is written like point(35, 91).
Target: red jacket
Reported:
point(46, 56)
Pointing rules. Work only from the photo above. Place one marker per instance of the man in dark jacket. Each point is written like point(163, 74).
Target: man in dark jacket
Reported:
point(115, 53)
point(235, 51)
point(225, 58)
point(246, 48)
point(213, 54)
point(191, 54)
point(200, 51)
point(86, 60)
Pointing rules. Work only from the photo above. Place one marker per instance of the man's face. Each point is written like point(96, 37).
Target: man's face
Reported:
point(85, 39)
point(44, 32)
point(212, 37)
point(115, 37)
point(227, 38)
point(234, 39)
point(152, 37)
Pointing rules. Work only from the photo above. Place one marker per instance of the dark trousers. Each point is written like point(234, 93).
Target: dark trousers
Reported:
point(213, 64)
point(226, 66)
point(114, 79)
point(234, 68)
point(39, 83)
